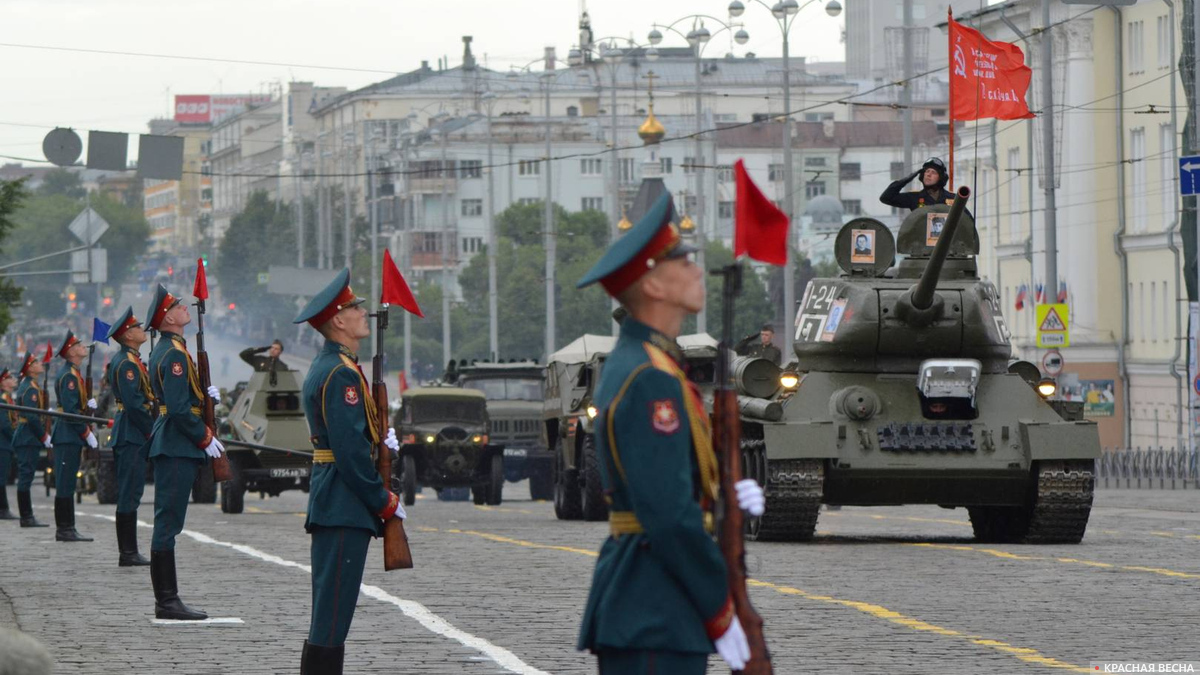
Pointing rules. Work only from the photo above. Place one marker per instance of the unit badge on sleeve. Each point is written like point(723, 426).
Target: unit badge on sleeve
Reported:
point(177, 369)
point(352, 395)
point(665, 419)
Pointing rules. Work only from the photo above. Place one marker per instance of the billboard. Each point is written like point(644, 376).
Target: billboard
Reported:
point(209, 108)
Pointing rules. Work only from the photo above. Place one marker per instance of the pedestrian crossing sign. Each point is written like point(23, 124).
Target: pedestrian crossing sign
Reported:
point(1053, 327)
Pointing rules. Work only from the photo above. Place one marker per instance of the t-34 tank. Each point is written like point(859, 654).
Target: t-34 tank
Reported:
point(906, 396)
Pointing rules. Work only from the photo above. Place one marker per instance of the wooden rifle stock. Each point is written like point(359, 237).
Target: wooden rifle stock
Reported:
point(727, 433)
point(220, 465)
point(396, 553)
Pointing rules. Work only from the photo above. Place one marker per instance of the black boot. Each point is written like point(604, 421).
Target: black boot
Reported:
point(167, 604)
point(64, 518)
point(318, 660)
point(5, 514)
point(25, 506)
point(127, 541)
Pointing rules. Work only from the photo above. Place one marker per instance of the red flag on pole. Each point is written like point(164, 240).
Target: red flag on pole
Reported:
point(403, 382)
point(760, 228)
point(987, 79)
point(395, 289)
point(49, 352)
point(200, 290)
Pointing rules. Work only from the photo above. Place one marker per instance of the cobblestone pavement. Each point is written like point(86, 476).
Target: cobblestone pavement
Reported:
point(500, 590)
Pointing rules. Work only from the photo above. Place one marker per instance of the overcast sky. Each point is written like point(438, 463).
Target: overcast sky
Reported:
point(47, 88)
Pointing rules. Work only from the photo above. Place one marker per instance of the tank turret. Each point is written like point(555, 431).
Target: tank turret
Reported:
point(921, 304)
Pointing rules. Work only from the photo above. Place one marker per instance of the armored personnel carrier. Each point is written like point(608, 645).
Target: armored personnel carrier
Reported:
point(514, 406)
point(905, 395)
point(445, 443)
point(267, 412)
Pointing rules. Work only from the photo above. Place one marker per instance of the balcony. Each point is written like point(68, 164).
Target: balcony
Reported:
point(432, 185)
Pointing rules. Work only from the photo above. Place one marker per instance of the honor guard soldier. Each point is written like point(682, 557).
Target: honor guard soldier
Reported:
point(347, 501)
point(659, 601)
point(180, 444)
point(8, 421)
point(69, 437)
point(129, 382)
point(30, 437)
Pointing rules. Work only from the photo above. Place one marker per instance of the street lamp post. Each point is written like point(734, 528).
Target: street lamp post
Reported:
point(698, 37)
point(489, 102)
point(785, 12)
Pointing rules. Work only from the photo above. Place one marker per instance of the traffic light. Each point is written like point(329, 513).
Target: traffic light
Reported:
point(74, 305)
point(108, 302)
point(232, 306)
point(71, 297)
point(204, 258)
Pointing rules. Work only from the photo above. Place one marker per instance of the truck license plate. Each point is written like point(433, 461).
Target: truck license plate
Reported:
point(514, 452)
point(289, 473)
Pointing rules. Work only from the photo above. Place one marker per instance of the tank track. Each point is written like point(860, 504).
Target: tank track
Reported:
point(793, 490)
point(1057, 514)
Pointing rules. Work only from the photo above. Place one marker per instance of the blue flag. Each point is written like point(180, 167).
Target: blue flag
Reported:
point(100, 331)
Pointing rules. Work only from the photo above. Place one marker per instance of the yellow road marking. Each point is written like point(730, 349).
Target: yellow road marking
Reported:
point(505, 509)
point(255, 509)
point(1071, 561)
point(1025, 654)
point(913, 519)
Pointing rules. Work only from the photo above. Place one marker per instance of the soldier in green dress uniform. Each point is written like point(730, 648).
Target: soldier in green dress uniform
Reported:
point(129, 382)
point(347, 502)
point(30, 437)
point(180, 444)
point(659, 601)
point(8, 383)
point(69, 437)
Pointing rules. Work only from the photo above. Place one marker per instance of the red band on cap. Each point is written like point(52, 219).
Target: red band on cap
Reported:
point(160, 312)
point(344, 298)
point(658, 247)
point(70, 343)
point(130, 323)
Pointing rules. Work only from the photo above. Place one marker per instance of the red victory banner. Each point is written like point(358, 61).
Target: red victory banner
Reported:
point(760, 229)
point(395, 289)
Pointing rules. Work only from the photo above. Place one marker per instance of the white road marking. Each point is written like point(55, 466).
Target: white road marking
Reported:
point(218, 621)
point(412, 609)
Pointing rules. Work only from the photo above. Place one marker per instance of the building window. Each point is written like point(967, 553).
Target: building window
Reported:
point(1136, 63)
point(899, 170)
point(850, 171)
point(725, 117)
point(628, 170)
point(725, 210)
point(472, 207)
point(1164, 42)
point(593, 203)
point(470, 168)
point(1137, 157)
point(666, 164)
point(814, 189)
point(1168, 176)
point(852, 207)
point(529, 167)
point(590, 167)
point(472, 244)
point(689, 166)
point(814, 161)
point(775, 173)
point(724, 174)
point(526, 201)
point(1014, 194)
point(427, 242)
point(1142, 310)
point(938, 112)
point(1166, 322)
point(1154, 311)
point(818, 116)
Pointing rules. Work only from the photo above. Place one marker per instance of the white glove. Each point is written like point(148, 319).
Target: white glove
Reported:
point(91, 439)
point(733, 646)
point(750, 497)
point(214, 393)
point(391, 441)
point(46, 442)
point(214, 448)
point(400, 513)
point(91, 403)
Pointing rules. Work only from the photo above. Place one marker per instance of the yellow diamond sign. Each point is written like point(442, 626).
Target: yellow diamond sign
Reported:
point(1053, 326)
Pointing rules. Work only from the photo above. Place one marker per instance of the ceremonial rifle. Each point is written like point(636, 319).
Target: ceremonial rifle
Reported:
point(220, 464)
point(99, 332)
point(44, 402)
point(70, 417)
point(727, 432)
point(396, 553)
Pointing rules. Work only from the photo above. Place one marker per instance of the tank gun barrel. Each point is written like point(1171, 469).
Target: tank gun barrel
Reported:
point(922, 293)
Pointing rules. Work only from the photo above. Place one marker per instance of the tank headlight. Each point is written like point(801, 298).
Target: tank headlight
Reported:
point(79, 474)
point(1047, 387)
point(789, 380)
point(477, 439)
point(49, 469)
point(429, 439)
point(592, 412)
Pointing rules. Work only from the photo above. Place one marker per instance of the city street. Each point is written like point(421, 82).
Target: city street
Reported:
point(500, 589)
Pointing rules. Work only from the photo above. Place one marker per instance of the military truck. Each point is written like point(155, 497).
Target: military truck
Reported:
point(905, 395)
point(268, 412)
point(514, 394)
point(445, 442)
point(567, 414)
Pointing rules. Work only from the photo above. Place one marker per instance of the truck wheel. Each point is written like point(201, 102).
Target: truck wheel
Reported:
point(106, 479)
point(496, 488)
point(594, 506)
point(541, 482)
point(204, 490)
point(233, 491)
point(567, 504)
point(479, 494)
point(409, 480)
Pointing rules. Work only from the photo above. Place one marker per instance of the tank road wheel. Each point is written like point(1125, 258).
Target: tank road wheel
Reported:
point(479, 494)
point(541, 482)
point(793, 490)
point(1058, 512)
point(567, 504)
point(594, 506)
point(233, 491)
point(204, 490)
point(408, 480)
point(496, 486)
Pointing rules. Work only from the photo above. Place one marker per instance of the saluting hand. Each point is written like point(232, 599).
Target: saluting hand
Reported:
point(750, 496)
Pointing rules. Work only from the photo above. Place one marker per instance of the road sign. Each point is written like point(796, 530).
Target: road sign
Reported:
point(98, 266)
point(88, 226)
point(1189, 175)
point(1053, 329)
point(264, 278)
point(1052, 362)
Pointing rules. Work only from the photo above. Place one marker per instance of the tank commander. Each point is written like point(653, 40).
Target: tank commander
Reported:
point(763, 349)
point(270, 362)
point(933, 177)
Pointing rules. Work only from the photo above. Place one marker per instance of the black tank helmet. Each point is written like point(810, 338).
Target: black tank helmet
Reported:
point(938, 165)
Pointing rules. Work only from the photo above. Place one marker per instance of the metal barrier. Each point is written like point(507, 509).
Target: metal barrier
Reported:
point(1148, 468)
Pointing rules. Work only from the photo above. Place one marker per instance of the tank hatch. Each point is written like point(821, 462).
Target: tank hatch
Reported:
point(865, 247)
point(919, 234)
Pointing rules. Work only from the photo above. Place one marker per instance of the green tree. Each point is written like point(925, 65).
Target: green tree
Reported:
point(12, 193)
point(259, 236)
point(62, 182)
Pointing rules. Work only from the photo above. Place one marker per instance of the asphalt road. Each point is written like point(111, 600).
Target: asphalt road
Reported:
point(500, 590)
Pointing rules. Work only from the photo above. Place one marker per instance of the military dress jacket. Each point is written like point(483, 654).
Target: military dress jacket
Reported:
point(8, 423)
point(31, 429)
point(129, 381)
point(345, 489)
point(69, 390)
point(179, 430)
point(659, 582)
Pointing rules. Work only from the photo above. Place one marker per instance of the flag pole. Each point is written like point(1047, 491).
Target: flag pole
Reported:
point(950, 60)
